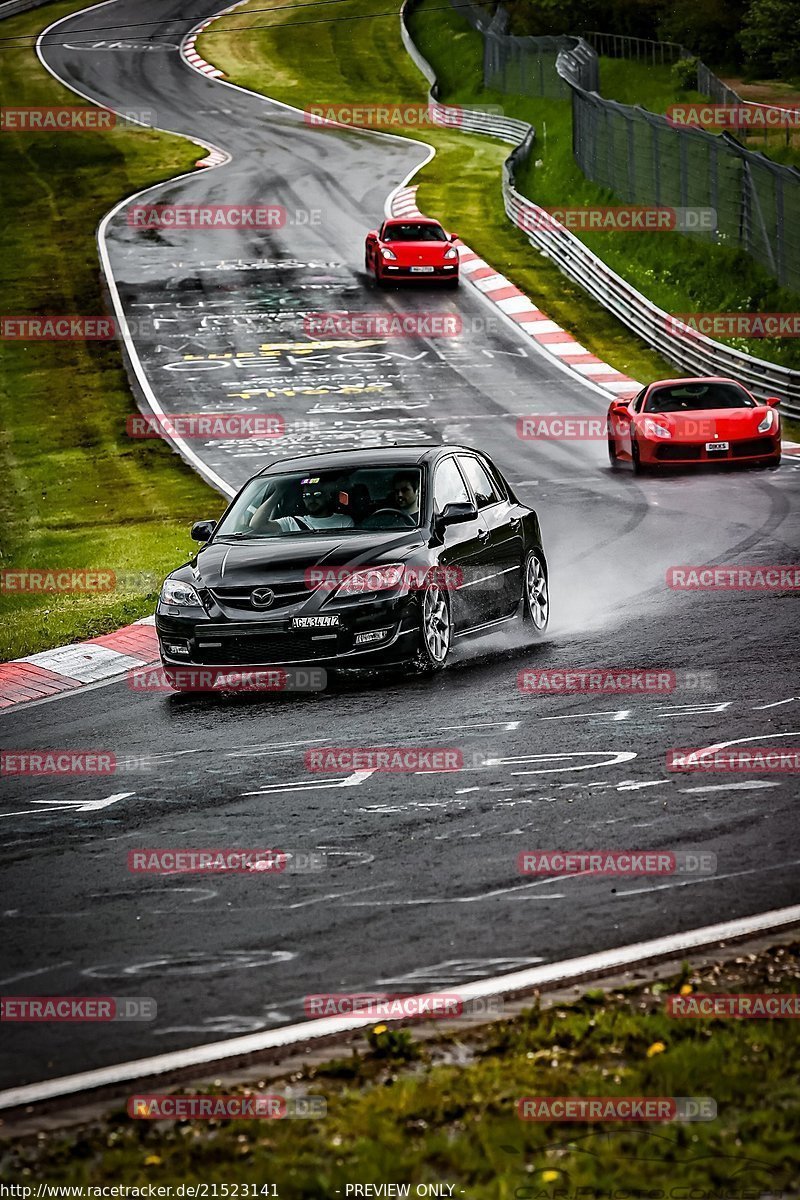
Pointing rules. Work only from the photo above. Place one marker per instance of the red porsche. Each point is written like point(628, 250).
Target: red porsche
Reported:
point(680, 422)
point(417, 249)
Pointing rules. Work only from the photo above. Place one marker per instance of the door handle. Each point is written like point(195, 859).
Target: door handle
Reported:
point(515, 523)
point(483, 535)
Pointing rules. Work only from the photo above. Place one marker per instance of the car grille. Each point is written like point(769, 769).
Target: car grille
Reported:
point(763, 445)
point(291, 592)
point(680, 453)
point(267, 649)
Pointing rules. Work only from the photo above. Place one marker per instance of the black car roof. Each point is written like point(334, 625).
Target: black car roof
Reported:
point(336, 460)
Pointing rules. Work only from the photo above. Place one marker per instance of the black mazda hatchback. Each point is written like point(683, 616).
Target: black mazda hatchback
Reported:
point(356, 559)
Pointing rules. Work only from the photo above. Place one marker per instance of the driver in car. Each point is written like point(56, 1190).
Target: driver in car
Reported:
point(405, 493)
point(317, 498)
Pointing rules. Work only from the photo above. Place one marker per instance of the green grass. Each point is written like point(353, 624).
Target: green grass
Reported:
point(444, 1110)
point(77, 493)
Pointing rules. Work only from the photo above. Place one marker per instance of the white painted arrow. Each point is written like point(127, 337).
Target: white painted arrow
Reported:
point(69, 806)
point(352, 780)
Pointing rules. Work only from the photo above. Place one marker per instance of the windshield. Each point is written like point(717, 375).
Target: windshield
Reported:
point(413, 232)
point(318, 501)
point(694, 397)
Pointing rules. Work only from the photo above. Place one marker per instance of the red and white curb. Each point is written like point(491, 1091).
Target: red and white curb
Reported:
point(190, 49)
point(515, 305)
point(51, 672)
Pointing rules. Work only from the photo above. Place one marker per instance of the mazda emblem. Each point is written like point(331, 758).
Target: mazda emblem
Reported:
point(262, 597)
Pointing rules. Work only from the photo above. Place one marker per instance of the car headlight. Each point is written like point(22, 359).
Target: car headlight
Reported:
point(451, 253)
point(387, 253)
point(651, 429)
point(373, 579)
point(181, 594)
point(768, 422)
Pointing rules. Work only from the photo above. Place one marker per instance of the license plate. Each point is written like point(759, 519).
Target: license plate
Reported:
point(315, 622)
point(711, 446)
point(422, 270)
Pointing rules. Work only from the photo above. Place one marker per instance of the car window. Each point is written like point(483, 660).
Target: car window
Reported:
point(639, 400)
point(412, 231)
point(449, 486)
point(485, 491)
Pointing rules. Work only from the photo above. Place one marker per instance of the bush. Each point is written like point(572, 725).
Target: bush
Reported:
point(684, 74)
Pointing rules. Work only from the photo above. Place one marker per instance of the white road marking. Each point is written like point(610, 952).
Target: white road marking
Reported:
point(666, 887)
point(745, 785)
point(39, 971)
point(68, 806)
point(352, 780)
point(547, 975)
point(630, 786)
point(616, 714)
point(776, 704)
point(616, 757)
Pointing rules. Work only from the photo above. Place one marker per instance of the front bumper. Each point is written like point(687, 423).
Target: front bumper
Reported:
point(748, 450)
point(447, 274)
point(370, 634)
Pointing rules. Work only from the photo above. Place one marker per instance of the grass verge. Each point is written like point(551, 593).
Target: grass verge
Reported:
point(78, 493)
point(444, 1110)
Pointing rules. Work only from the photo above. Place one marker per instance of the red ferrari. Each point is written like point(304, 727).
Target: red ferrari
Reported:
point(678, 422)
point(412, 249)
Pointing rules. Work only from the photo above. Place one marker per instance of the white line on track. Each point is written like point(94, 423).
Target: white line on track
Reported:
point(549, 975)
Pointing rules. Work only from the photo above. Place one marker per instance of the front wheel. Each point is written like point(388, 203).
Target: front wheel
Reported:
point(639, 467)
point(613, 457)
point(435, 630)
point(536, 597)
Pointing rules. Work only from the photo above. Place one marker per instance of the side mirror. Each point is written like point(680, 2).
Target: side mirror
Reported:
point(620, 407)
point(773, 401)
point(201, 531)
point(373, 233)
point(453, 237)
point(456, 514)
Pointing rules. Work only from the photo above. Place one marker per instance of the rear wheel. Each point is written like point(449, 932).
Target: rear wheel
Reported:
point(435, 630)
point(536, 597)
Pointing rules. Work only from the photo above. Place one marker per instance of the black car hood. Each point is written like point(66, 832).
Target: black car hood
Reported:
point(250, 562)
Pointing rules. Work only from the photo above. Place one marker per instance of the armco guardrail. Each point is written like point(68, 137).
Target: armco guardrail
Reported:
point(689, 351)
point(473, 120)
point(11, 7)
